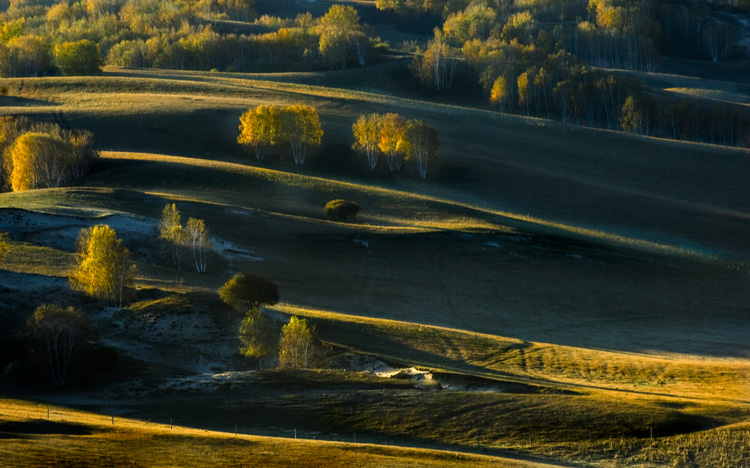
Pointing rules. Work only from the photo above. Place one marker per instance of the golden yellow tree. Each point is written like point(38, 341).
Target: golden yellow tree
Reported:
point(367, 137)
point(499, 93)
point(391, 132)
point(300, 125)
point(297, 344)
point(40, 160)
point(260, 130)
point(339, 31)
point(82, 57)
point(103, 265)
point(170, 229)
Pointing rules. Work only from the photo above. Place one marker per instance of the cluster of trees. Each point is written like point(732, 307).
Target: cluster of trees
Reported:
point(539, 61)
point(77, 38)
point(295, 345)
point(398, 139)
point(42, 155)
point(682, 119)
point(104, 270)
point(193, 237)
point(269, 129)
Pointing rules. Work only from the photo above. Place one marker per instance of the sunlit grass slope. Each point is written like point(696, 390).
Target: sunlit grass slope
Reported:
point(73, 438)
point(606, 184)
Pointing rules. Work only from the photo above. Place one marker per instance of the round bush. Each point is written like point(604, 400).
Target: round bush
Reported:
point(342, 210)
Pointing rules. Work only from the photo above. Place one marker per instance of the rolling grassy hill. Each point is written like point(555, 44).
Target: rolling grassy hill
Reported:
point(596, 279)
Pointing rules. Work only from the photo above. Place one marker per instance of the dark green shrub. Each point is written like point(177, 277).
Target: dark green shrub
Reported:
point(246, 291)
point(342, 210)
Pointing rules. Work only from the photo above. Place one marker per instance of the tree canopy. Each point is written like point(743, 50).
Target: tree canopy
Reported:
point(340, 35)
point(420, 144)
point(40, 160)
point(196, 237)
point(59, 331)
point(170, 229)
point(300, 125)
point(366, 131)
point(397, 138)
point(260, 129)
point(103, 265)
point(264, 128)
point(256, 334)
point(297, 346)
point(42, 155)
point(81, 57)
point(246, 291)
point(342, 210)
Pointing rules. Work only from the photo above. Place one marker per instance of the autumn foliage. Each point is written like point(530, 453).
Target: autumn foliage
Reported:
point(398, 139)
point(40, 155)
point(104, 269)
point(269, 129)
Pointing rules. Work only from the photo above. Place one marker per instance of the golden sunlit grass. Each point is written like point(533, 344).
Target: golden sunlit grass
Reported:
point(75, 438)
point(564, 402)
point(29, 258)
point(715, 380)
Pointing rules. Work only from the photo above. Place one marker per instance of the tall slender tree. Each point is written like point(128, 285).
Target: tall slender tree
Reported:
point(60, 332)
point(297, 344)
point(103, 265)
point(366, 131)
point(300, 125)
point(391, 132)
point(420, 144)
point(196, 236)
point(170, 229)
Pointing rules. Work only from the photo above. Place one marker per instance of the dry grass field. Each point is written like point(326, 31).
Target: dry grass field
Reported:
point(579, 295)
point(73, 438)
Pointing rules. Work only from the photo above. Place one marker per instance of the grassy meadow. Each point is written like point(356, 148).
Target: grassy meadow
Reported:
point(579, 294)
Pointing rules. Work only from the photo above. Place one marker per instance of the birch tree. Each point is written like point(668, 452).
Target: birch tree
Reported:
point(170, 229)
point(391, 132)
point(420, 144)
point(366, 131)
point(297, 344)
point(300, 125)
point(500, 93)
point(40, 160)
point(196, 236)
point(437, 65)
point(260, 130)
point(256, 335)
point(340, 31)
point(103, 265)
point(60, 332)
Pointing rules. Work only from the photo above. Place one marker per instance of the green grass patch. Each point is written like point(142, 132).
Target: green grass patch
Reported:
point(28, 258)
